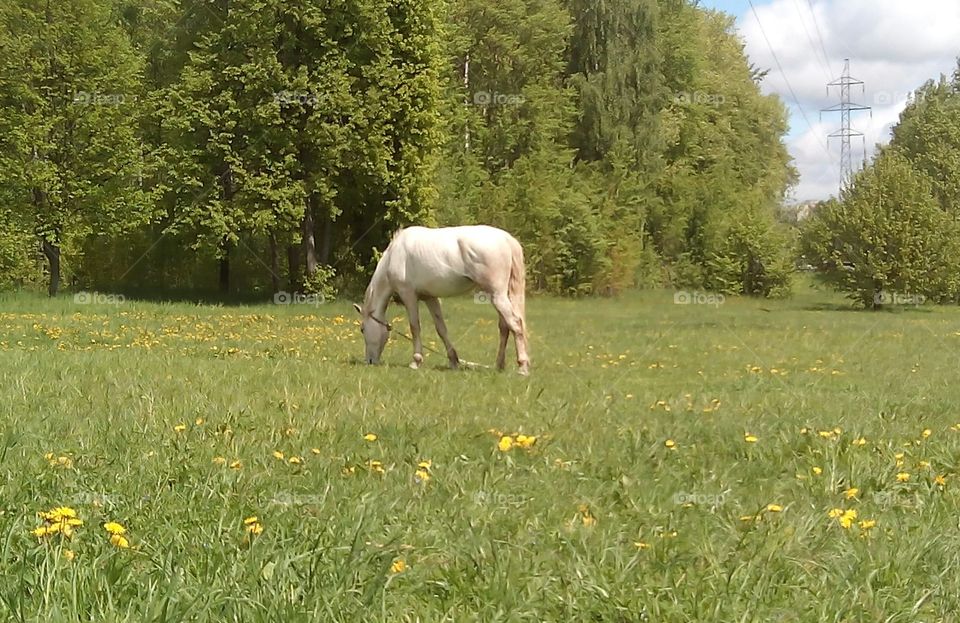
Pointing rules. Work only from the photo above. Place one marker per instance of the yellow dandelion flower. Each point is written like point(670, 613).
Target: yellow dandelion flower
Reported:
point(219, 460)
point(526, 441)
point(859, 442)
point(903, 477)
point(69, 554)
point(236, 465)
point(817, 471)
point(589, 520)
point(750, 438)
point(926, 433)
point(671, 444)
point(641, 545)
point(940, 480)
point(422, 475)
point(867, 524)
point(369, 437)
point(315, 450)
point(376, 467)
point(398, 566)
point(835, 512)
point(180, 428)
point(851, 493)
point(278, 455)
point(250, 520)
point(295, 460)
point(774, 508)
point(848, 518)
point(41, 531)
point(120, 541)
point(198, 421)
point(923, 464)
point(114, 528)
point(425, 464)
point(505, 443)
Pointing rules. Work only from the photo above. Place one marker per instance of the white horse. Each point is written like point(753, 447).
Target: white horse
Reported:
point(423, 263)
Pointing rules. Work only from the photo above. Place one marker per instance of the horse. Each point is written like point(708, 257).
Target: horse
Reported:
point(423, 264)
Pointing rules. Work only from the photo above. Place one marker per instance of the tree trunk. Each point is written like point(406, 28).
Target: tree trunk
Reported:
point(326, 240)
point(52, 253)
point(309, 240)
point(293, 268)
point(224, 267)
point(274, 264)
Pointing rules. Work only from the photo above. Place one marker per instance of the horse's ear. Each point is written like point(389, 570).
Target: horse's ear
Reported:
point(357, 307)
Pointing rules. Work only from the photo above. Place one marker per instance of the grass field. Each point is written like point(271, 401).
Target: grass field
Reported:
point(750, 461)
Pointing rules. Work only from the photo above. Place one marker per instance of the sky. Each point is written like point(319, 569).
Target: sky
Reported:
point(894, 46)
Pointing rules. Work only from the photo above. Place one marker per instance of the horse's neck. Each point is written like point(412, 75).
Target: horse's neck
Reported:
point(379, 292)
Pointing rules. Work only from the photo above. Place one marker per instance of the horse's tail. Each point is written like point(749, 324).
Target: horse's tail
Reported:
point(517, 286)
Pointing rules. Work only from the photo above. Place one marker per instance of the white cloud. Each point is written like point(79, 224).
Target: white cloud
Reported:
point(893, 46)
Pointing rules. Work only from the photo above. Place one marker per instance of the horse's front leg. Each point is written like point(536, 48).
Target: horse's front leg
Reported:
point(433, 304)
point(412, 303)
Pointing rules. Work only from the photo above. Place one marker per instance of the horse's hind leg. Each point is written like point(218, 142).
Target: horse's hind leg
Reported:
point(504, 336)
point(433, 304)
point(502, 302)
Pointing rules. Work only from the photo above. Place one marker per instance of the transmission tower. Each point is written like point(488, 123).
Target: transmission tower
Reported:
point(845, 133)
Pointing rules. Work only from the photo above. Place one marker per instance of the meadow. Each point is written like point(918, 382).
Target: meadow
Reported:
point(747, 460)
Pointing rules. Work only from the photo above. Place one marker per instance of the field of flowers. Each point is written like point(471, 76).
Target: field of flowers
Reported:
point(736, 461)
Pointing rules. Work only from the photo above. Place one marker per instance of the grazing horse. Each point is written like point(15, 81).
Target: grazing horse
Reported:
point(422, 263)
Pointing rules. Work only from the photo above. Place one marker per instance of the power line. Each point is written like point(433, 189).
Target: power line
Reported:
point(816, 54)
point(816, 23)
point(793, 94)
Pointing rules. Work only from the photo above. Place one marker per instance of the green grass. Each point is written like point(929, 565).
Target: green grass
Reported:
point(492, 536)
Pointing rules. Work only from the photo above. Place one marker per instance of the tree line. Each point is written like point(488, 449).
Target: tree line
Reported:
point(250, 146)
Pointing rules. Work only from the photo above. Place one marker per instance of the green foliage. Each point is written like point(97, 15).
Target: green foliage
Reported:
point(887, 237)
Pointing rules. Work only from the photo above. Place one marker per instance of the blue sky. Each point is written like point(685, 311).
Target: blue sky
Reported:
point(894, 46)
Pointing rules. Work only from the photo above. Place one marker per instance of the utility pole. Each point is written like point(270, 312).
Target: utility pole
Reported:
point(845, 107)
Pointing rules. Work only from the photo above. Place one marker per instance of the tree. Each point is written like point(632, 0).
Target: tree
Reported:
point(70, 158)
point(886, 237)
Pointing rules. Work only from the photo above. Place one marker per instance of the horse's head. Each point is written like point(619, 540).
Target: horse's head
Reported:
point(375, 333)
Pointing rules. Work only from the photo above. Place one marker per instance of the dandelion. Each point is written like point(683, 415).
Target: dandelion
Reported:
point(774, 508)
point(817, 471)
point(505, 443)
point(923, 464)
point(868, 524)
point(851, 493)
point(198, 421)
point(114, 528)
point(421, 475)
point(315, 450)
point(369, 437)
point(903, 477)
point(180, 428)
point(278, 455)
point(859, 442)
point(236, 465)
point(376, 467)
point(295, 460)
point(641, 545)
point(425, 464)
point(252, 525)
point(219, 460)
point(671, 444)
point(750, 438)
point(69, 554)
point(926, 433)
point(940, 480)
point(526, 441)
point(119, 541)
point(398, 566)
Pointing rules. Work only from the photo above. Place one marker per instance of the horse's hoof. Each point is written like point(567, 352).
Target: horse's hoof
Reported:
point(524, 369)
point(414, 365)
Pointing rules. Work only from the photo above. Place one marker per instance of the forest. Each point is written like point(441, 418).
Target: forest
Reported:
point(245, 147)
